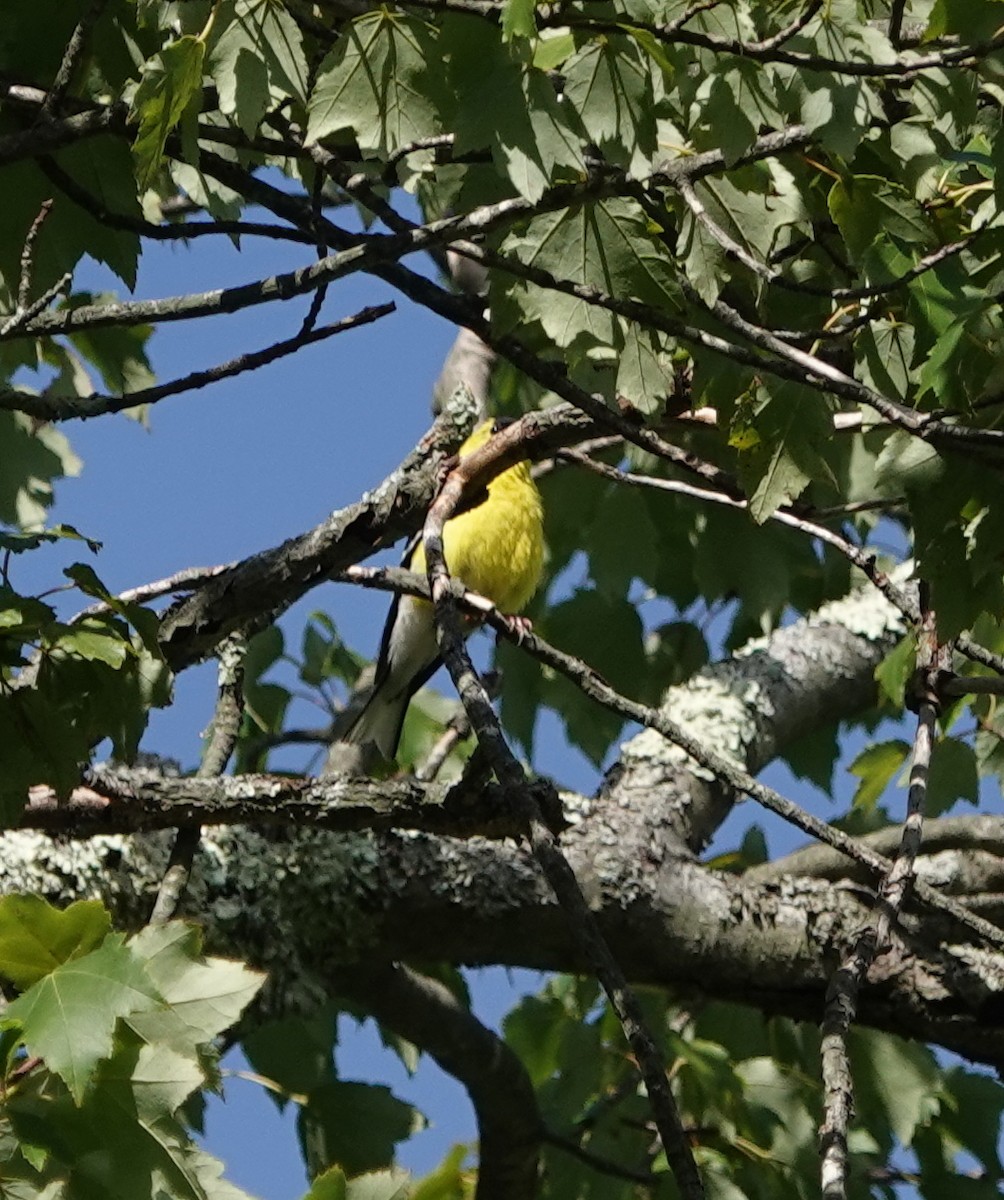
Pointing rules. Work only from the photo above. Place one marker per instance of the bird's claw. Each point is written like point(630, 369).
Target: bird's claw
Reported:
point(518, 626)
point(445, 467)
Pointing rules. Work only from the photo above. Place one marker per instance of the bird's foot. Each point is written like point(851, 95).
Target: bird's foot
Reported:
point(519, 627)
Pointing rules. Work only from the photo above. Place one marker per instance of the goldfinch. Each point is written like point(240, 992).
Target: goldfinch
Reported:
point(495, 546)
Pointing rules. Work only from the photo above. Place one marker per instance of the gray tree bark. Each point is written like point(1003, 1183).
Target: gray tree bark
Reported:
point(302, 902)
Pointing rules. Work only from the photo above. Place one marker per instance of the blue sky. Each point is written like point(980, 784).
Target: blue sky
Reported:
point(227, 471)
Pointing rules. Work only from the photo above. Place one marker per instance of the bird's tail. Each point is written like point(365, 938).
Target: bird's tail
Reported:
point(380, 721)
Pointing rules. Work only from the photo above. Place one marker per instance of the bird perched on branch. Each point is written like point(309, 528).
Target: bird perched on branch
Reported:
point(494, 544)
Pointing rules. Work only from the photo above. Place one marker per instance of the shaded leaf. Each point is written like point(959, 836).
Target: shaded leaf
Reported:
point(35, 937)
point(170, 81)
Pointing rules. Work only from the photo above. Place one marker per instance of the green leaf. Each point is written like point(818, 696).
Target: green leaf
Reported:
point(264, 649)
point(39, 744)
point(534, 1029)
point(378, 1185)
point(329, 1185)
point(256, 59)
point(378, 83)
point(445, 1182)
point(722, 112)
point(608, 82)
point(552, 48)
point(86, 579)
point(103, 167)
point(972, 1112)
point(896, 1084)
point(703, 257)
point(518, 19)
point(68, 1017)
point(424, 723)
point(895, 670)
point(674, 650)
point(119, 355)
point(295, 1052)
point(884, 350)
point(23, 617)
point(205, 996)
point(644, 373)
point(356, 1124)
point(504, 104)
point(813, 757)
point(171, 79)
point(35, 937)
point(33, 457)
point(605, 245)
point(953, 776)
point(622, 513)
point(94, 639)
point(126, 1132)
point(875, 767)
point(20, 543)
point(866, 207)
point(791, 424)
point(606, 633)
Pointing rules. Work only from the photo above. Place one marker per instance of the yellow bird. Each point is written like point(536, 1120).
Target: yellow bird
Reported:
point(495, 546)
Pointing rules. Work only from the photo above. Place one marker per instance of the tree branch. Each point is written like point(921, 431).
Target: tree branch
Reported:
point(119, 800)
point(523, 799)
point(674, 922)
point(49, 407)
point(260, 587)
point(428, 1014)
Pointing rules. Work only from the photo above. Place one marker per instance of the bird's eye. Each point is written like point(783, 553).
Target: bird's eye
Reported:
point(501, 423)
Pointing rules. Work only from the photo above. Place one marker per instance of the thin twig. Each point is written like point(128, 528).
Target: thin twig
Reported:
point(864, 560)
point(767, 51)
point(604, 1166)
point(219, 746)
point(814, 371)
point(771, 274)
point(50, 407)
point(842, 995)
point(172, 232)
point(189, 580)
point(57, 291)
point(321, 247)
point(543, 842)
point(896, 10)
point(71, 56)
point(457, 728)
point(28, 256)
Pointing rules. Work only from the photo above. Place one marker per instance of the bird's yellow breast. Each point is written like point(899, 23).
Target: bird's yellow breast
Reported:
point(497, 546)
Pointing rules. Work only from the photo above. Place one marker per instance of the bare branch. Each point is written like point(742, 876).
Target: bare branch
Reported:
point(51, 135)
point(172, 232)
point(222, 738)
point(59, 289)
point(843, 993)
point(49, 407)
point(120, 800)
point(522, 796)
point(968, 834)
point(71, 57)
point(28, 256)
